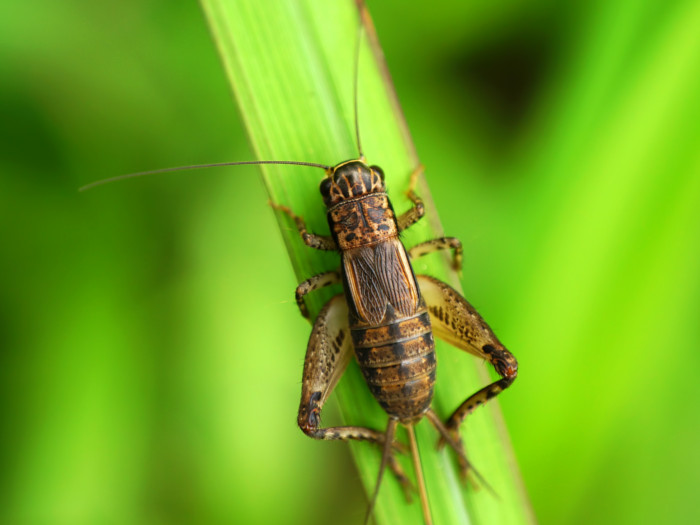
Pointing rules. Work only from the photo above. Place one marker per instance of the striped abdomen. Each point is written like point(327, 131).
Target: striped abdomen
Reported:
point(398, 362)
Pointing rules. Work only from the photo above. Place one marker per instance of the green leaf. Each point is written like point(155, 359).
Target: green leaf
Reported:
point(291, 67)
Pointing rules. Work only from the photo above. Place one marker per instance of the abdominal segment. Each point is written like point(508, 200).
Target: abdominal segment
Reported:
point(398, 362)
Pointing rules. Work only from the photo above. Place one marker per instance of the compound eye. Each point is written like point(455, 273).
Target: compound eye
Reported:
point(326, 187)
point(378, 170)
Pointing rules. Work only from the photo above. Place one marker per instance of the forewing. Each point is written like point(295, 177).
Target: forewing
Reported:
point(378, 276)
point(396, 277)
point(364, 285)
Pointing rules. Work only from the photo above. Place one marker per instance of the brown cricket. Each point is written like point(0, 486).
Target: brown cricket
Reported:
point(386, 315)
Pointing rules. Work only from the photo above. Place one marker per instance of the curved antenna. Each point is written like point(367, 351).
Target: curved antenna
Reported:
point(356, 82)
point(197, 166)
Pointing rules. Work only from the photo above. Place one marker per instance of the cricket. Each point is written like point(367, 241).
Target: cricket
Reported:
point(386, 316)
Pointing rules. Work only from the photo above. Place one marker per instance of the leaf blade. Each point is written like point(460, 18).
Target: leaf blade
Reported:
point(290, 67)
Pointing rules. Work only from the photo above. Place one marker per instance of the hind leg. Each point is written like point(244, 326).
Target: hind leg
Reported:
point(457, 322)
point(328, 353)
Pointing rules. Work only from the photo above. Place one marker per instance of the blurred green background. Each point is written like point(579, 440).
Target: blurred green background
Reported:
point(151, 350)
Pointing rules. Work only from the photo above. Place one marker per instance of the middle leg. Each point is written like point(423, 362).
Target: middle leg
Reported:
point(314, 283)
point(443, 243)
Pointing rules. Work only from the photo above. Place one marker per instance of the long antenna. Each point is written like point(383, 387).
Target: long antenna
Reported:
point(356, 82)
point(360, 31)
point(197, 166)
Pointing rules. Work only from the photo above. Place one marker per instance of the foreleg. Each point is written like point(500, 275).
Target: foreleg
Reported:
point(416, 213)
point(313, 240)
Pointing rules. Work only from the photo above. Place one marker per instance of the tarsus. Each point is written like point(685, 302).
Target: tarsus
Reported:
point(386, 454)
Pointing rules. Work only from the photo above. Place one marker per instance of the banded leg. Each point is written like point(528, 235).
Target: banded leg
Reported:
point(327, 355)
point(443, 243)
point(312, 240)
point(314, 283)
point(413, 215)
point(456, 321)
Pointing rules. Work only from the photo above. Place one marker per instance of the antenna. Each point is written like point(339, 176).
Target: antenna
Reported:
point(197, 166)
point(328, 169)
point(356, 82)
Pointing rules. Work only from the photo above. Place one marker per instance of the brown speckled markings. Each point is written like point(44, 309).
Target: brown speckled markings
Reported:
point(363, 221)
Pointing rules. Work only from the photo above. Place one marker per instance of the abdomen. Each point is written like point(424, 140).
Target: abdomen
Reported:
point(397, 360)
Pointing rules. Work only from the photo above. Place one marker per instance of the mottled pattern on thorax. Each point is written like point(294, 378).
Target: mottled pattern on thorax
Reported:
point(362, 221)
